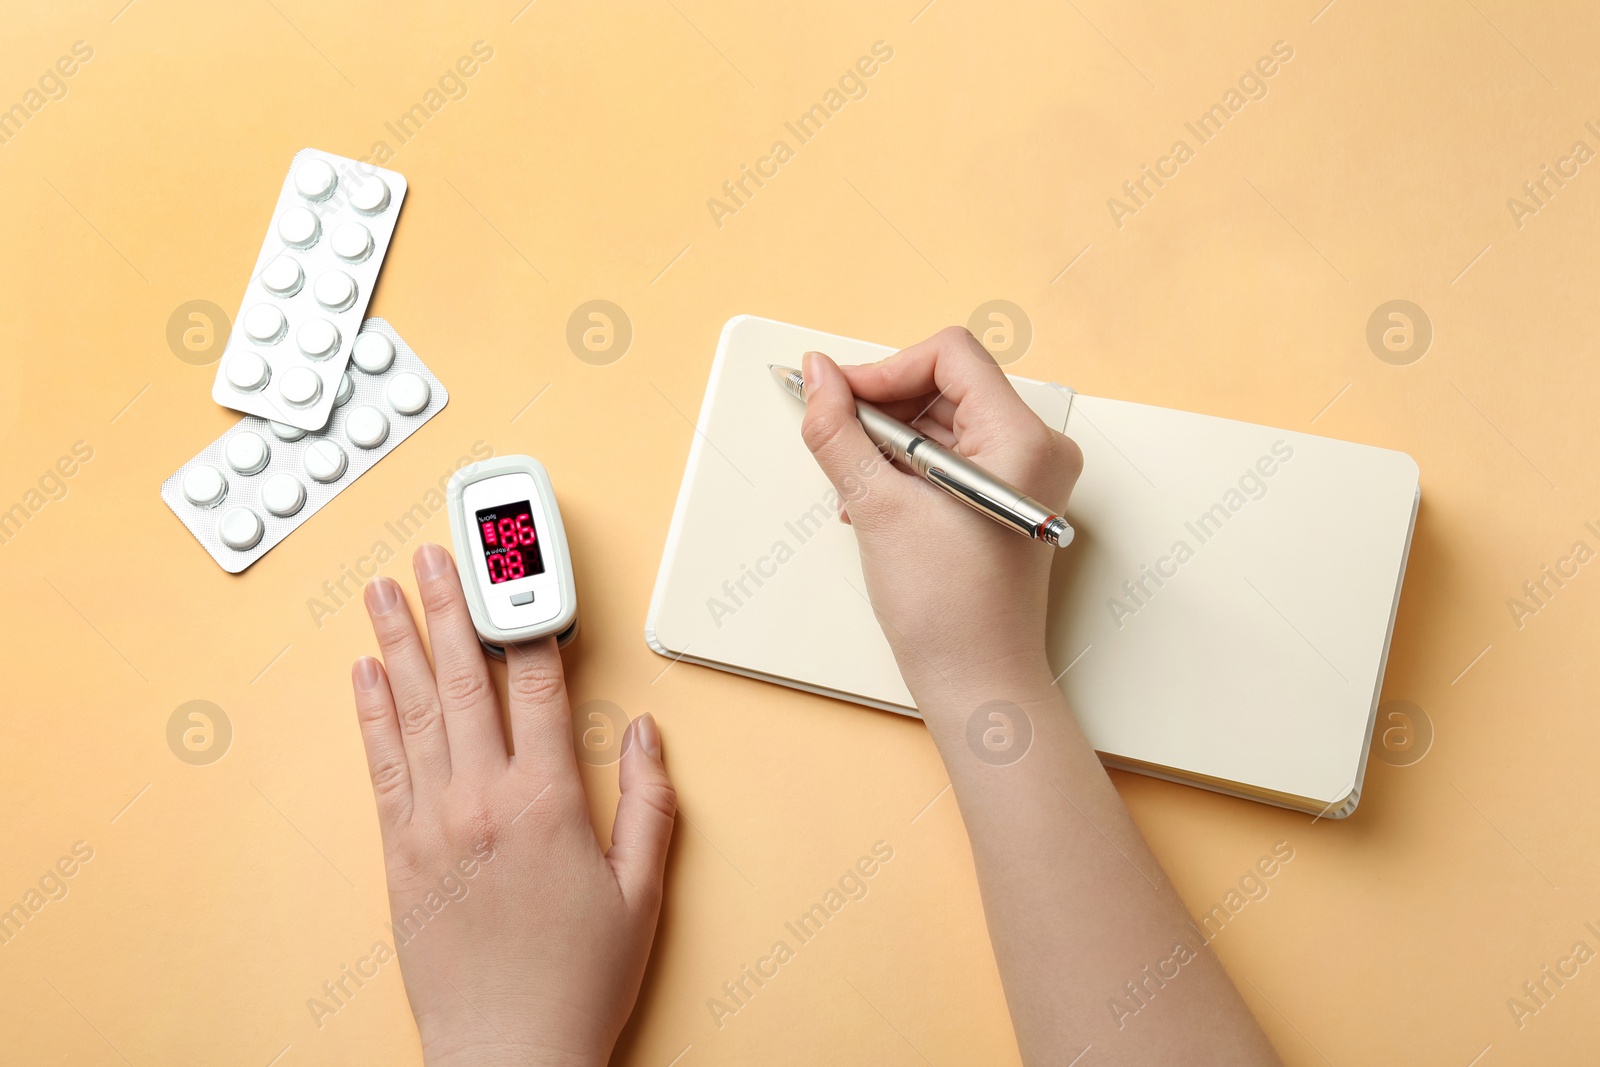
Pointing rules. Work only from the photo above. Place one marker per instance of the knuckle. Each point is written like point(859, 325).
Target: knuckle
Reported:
point(1040, 438)
point(394, 630)
point(371, 712)
point(1071, 456)
point(661, 796)
point(463, 687)
point(419, 715)
point(410, 855)
point(535, 683)
point(960, 339)
point(404, 862)
point(388, 777)
point(475, 820)
point(439, 595)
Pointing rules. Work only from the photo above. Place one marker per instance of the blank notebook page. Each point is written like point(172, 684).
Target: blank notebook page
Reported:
point(1222, 617)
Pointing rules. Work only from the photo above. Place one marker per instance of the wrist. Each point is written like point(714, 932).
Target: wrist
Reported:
point(953, 693)
point(479, 1043)
point(501, 1052)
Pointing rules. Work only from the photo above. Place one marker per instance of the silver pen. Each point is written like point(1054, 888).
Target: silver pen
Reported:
point(955, 474)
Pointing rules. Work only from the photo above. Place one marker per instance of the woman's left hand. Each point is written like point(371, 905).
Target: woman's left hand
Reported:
point(519, 940)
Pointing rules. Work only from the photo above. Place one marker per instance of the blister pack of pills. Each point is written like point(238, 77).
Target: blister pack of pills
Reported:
point(255, 485)
point(309, 291)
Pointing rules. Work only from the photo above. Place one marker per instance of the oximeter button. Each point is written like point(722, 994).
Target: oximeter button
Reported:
point(204, 486)
point(408, 393)
point(374, 353)
point(367, 427)
point(240, 529)
point(247, 452)
point(519, 599)
point(283, 495)
point(325, 461)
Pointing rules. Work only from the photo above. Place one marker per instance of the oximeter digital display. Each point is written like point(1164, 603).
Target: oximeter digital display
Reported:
point(511, 552)
point(510, 542)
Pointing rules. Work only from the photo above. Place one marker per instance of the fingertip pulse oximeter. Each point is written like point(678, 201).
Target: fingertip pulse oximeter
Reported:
point(512, 553)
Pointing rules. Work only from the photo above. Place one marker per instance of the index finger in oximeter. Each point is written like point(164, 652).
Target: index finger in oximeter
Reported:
point(511, 551)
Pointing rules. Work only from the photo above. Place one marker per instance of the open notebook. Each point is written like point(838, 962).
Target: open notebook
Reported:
point(1222, 618)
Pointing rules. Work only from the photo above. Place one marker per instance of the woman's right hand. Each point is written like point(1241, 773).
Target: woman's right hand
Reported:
point(1074, 899)
point(961, 598)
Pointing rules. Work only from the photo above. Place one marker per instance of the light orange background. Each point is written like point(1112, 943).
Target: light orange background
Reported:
point(978, 166)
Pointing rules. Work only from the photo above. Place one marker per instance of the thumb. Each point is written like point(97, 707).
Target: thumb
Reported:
point(836, 440)
point(645, 815)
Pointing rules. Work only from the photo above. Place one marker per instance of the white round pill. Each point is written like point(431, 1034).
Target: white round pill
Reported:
point(347, 386)
point(240, 529)
point(317, 338)
point(335, 290)
point(247, 452)
point(283, 495)
point(247, 371)
point(370, 196)
point(300, 387)
point(408, 393)
point(367, 427)
point(283, 276)
point(373, 353)
point(284, 432)
point(352, 242)
point(264, 324)
point(204, 486)
point(325, 461)
point(298, 228)
point(314, 179)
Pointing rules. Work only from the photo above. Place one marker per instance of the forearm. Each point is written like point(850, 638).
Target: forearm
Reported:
point(1077, 905)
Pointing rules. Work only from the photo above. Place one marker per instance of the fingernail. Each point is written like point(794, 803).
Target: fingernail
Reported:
point(430, 562)
point(366, 673)
point(808, 365)
point(382, 595)
point(649, 735)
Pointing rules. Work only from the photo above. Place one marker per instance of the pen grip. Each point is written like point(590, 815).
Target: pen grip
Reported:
point(893, 437)
point(956, 475)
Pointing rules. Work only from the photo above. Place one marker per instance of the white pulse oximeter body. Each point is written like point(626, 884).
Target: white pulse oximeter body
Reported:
point(511, 552)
